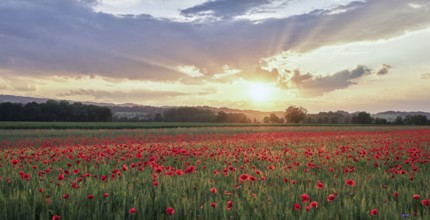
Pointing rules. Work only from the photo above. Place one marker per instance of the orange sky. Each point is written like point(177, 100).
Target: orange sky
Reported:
point(247, 54)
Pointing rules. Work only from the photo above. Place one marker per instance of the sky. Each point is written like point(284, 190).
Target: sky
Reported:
point(367, 55)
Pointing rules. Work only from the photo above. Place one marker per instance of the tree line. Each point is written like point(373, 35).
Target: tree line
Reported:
point(192, 114)
point(295, 114)
point(53, 110)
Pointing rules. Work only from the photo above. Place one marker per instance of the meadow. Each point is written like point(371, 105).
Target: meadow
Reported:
point(280, 172)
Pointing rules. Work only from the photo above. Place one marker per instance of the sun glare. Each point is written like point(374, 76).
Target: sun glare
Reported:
point(259, 91)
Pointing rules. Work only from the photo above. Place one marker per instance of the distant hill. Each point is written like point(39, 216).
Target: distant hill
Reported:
point(392, 115)
point(131, 110)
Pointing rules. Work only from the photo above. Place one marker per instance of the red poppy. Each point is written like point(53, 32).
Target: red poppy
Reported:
point(305, 198)
point(124, 167)
point(104, 178)
point(229, 204)
point(350, 183)
point(395, 194)
point(132, 210)
point(416, 196)
point(320, 185)
point(76, 171)
point(60, 177)
point(214, 205)
point(425, 202)
point(41, 190)
point(314, 204)
point(331, 197)
point(373, 212)
point(296, 206)
point(66, 196)
point(14, 161)
point(179, 172)
point(170, 211)
point(90, 196)
point(243, 177)
point(106, 195)
point(56, 217)
point(213, 190)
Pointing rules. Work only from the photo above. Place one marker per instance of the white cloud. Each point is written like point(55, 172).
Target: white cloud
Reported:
point(191, 71)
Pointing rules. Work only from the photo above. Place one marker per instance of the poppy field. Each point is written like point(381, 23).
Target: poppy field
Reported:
point(216, 173)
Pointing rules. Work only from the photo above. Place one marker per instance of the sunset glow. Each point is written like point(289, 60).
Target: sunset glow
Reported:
point(260, 92)
point(264, 55)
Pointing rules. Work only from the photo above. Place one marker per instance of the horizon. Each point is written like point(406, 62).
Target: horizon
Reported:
point(205, 106)
point(262, 55)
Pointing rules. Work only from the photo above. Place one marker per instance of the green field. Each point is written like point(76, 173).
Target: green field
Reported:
point(216, 173)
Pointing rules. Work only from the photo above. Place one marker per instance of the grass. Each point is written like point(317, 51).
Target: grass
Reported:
point(149, 125)
point(141, 168)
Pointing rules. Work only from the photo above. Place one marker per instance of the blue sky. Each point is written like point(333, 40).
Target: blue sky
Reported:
point(249, 54)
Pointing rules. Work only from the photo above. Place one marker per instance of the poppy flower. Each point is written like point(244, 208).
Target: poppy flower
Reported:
point(60, 177)
point(395, 194)
point(350, 183)
point(320, 185)
point(314, 204)
point(416, 196)
point(76, 171)
point(214, 205)
point(14, 161)
point(243, 177)
point(170, 211)
point(373, 212)
point(105, 195)
point(132, 210)
point(90, 196)
point(229, 204)
point(425, 202)
point(56, 217)
point(179, 172)
point(305, 198)
point(213, 190)
point(296, 206)
point(331, 197)
point(66, 196)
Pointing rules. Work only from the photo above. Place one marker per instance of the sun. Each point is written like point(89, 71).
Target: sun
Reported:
point(259, 91)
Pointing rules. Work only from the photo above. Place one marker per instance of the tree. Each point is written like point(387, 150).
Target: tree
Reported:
point(295, 114)
point(158, 117)
point(362, 118)
point(221, 117)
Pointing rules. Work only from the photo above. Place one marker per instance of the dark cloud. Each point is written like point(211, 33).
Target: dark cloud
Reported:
point(67, 37)
point(143, 95)
point(385, 68)
point(224, 8)
point(310, 85)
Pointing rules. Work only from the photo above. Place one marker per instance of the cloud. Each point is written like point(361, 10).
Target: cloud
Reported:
point(191, 71)
point(224, 8)
point(425, 76)
point(310, 85)
point(141, 94)
point(64, 37)
point(384, 69)
point(15, 84)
